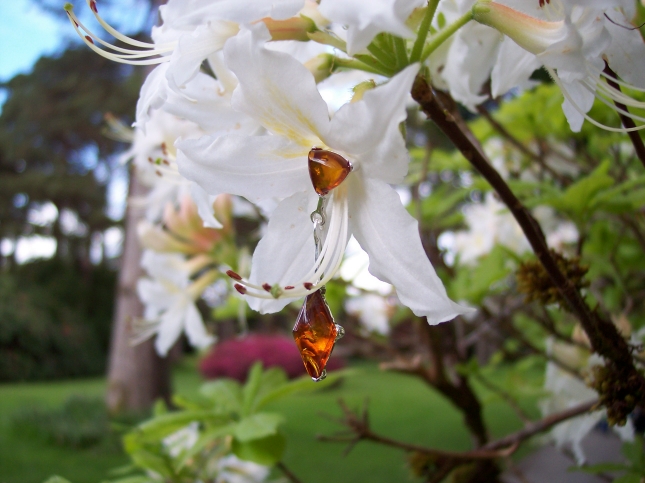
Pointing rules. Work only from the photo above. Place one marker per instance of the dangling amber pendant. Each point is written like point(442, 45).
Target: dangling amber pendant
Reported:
point(315, 333)
point(327, 170)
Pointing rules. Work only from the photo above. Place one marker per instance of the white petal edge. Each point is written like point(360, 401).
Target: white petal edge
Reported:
point(390, 236)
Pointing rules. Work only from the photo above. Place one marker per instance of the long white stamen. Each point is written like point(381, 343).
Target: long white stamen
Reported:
point(624, 84)
point(610, 104)
point(126, 56)
point(618, 96)
point(325, 266)
point(568, 97)
point(115, 33)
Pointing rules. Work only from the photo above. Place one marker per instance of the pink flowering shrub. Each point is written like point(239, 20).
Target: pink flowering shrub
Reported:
point(234, 357)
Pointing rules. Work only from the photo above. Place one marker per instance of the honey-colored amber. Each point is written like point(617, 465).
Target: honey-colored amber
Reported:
point(315, 333)
point(327, 170)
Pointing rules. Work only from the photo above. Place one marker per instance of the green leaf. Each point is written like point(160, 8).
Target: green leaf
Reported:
point(225, 394)
point(159, 408)
point(302, 384)
point(476, 283)
point(161, 426)
point(134, 479)
point(634, 453)
point(578, 199)
point(630, 478)
point(250, 389)
point(266, 451)
point(257, 426)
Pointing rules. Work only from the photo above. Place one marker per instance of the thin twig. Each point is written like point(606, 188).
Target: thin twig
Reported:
point(359, 429)
point(288, 473)
point(541, 425)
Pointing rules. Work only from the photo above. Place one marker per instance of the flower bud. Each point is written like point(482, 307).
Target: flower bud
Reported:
point(530, 33)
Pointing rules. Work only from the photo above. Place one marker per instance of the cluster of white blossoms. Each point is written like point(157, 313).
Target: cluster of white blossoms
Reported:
point(234, 107)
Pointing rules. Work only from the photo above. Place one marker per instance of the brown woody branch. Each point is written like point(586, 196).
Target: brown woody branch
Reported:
point(604, 337)
point(627, 121)
point(359, 430)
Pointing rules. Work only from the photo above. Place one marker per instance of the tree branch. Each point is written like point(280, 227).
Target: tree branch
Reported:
point(627, 121)
point(604, 337)
point(359, 429)
point(287, 472)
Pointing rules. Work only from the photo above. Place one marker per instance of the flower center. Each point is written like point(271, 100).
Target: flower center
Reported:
point(327, 171)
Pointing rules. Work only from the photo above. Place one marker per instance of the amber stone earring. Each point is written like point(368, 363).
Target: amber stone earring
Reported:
point(315, 331)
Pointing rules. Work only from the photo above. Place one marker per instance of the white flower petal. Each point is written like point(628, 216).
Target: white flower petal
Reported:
point(204, 203)
point(367, 18)
point(193, 48)
point(626, 53)
point(470, 61)
point(514, 66)
point(203, 102)
point(256, 167)
point(286, 252)
point(387, 232)
point(583, 100)
point(276, 89)
point(170, 326)
point(195, 330)
point(154, 93)
point(188, 13)
point(369, 128)
point(154, 297)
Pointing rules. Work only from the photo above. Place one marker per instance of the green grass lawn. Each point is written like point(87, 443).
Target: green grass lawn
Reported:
point(400, 406)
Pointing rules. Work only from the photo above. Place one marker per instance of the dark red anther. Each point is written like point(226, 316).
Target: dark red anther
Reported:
point(89, 39)
point(308, 285)
point(543, 2)
point(93, 6)
point(266, 287)
point(240, 288)
point(289, 287)
point(233, 275)
point(164, 149)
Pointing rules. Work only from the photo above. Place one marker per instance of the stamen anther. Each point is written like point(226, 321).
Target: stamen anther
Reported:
point(233, 275)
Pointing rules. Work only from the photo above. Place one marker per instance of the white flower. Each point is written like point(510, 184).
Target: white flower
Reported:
point(367, 18)
point(574, 49)
point(490, 223)
point(169, 299)
point(372, 310)
point(182, 439)
point(567, 391)
point(282, 95)
point(192, 31)
point(231, 469)
point(153, 153)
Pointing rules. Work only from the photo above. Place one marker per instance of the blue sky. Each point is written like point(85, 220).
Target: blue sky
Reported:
point(27, 32)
